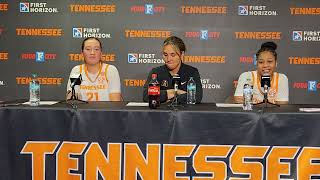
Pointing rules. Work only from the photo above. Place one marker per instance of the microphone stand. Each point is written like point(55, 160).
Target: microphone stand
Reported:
point(265, 97)
point(73, 101)
point(174, 101)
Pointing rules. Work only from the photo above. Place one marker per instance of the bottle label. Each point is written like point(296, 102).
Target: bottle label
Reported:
point(191, 87)
point(34, 86)
point(154, 90)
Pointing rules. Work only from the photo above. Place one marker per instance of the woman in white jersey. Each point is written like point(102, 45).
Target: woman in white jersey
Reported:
point(266, 65)
point(100, 81)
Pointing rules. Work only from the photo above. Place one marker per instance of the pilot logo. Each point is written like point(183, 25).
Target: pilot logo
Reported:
point(77, 32)
point(39, 56)
point(24, 7)
point(2, 83)
point(312, 85)
point(243, 11)
point(297, 35)
point(132, 58)
point(204, 35)
point(148, 9)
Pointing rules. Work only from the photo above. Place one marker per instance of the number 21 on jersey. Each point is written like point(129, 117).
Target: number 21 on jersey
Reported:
point(93, 96)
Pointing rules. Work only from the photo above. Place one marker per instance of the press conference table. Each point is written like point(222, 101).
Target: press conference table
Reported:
point(106, 122)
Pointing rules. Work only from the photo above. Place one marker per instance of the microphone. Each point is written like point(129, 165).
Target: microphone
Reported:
point(176, 83)
point(75, 81)
point(265, 84)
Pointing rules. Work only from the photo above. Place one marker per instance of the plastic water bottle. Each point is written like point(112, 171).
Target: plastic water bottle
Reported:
point(191, 91)
point(34, 89)
point(247, 95)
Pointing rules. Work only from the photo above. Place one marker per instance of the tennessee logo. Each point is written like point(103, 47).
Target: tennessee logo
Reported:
point(85, 8)
point(205, 59)
point(128, 160)
point(134, 82)
point(4, 7)
point(164, 83)
point(147, 33)
point(38, 32)
point(304, 11)
point(4, 56)
point(258, 35)
point(204, 9)
point(304, 60)
point(42, 80)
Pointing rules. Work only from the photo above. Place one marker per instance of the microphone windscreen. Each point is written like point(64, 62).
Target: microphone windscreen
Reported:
point(265, 80)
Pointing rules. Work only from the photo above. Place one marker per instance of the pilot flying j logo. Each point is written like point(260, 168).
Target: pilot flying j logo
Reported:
point(246, 10)
point(249, 59)
point(311, 86)
point(38, 7)
point(89, 32)
point(203, 34)
point(148, 9)
point(38, 56)
point(305, 35)
point(144, 58)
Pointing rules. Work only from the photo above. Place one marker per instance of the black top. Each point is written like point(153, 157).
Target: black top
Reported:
point(165, 79)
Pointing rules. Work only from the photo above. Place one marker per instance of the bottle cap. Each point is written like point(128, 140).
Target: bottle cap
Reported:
point(154, 76)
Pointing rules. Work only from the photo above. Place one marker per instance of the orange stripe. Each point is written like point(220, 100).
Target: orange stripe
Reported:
point(81, 68)
point(276, 83)
point(105, 72)
point(252, 74)
point(86, 71)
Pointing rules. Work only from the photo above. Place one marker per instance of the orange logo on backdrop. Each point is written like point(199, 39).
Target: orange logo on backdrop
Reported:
point(258, 35)
point(4, 6)
point(204, 9)
point(85, 8)
point(104, 58)
point(134, 82)
point(147, 33)
point(42, 80)
point(304, 60)
point(205, 59)
point(157, 160)
point(38, 32)
point(4, 56)
point(304, 11)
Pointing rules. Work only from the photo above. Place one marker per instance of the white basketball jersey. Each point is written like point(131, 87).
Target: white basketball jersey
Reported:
point(94, 87)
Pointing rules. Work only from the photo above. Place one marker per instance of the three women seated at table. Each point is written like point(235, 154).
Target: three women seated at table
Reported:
point(101, 82)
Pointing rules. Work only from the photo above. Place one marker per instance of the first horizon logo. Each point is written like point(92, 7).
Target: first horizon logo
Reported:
point(306, 36)
point(255, 11)
point(134, 58)
point(88, 32)
point(39, 7)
